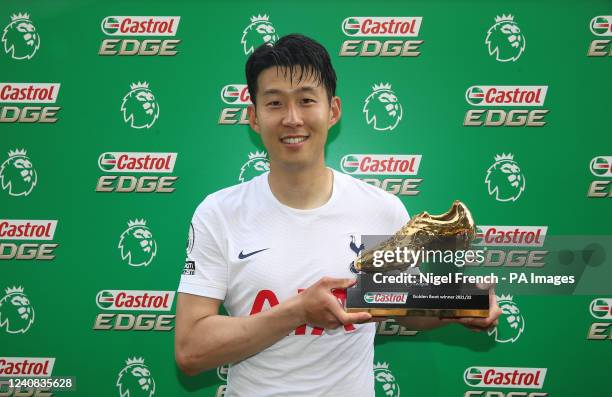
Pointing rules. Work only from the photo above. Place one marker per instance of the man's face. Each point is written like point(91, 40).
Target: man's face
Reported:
point(292, 118)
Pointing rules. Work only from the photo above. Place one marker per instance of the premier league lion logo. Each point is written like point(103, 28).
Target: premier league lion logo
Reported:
point(382, 108)
point(505, 179)
point(256, 165)
point(385, 381)
point(135, 379)
point(17, 174)
point(139, 106)
point(260, 31)
point(137, 245)
point(505, 40)
point(20, 38)
point(16, 312)
point(511, 322)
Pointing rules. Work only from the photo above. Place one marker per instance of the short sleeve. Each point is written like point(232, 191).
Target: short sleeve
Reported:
point(205, 271)
point(401, 216)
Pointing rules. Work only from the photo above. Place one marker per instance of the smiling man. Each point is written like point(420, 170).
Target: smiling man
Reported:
point(276, 250)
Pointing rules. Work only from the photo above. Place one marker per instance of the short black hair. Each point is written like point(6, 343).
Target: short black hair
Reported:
point(291, 51)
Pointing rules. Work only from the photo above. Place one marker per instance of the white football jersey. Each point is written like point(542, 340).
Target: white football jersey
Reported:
point(253, 252)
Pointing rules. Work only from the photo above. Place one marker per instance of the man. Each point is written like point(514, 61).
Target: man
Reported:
point(274, 250)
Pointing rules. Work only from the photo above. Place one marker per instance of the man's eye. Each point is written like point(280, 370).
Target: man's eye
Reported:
point(274, 103)
point(308, 100)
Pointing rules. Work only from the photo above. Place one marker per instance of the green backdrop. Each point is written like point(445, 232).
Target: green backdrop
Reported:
point(49, 308)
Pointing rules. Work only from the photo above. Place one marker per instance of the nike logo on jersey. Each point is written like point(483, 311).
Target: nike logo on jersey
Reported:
point(242, 256)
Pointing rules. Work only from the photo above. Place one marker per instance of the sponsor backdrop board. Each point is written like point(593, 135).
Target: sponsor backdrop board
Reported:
point(118, 118)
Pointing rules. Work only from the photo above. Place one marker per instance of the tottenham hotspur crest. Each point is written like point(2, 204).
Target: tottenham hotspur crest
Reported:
point(139, 106)
point(505, 179)
point(17, 175)
point(505, 40)
point(256, 165)
point(511, 322)
point(20, 38)
point(137, 246)
point(135, 379)
point(385, 384)
point(16, 311)
point(382, 108)
point(260, 31)
point(356, 246)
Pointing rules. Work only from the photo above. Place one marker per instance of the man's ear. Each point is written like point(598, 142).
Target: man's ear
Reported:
point(253, 118)
point(336, 111)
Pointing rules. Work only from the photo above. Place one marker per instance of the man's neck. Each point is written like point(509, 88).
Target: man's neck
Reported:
point(305, 188)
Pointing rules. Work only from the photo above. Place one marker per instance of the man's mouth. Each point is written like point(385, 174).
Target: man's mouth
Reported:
point(293, 139)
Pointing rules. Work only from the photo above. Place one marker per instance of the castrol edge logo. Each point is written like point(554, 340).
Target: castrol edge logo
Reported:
point(15, 94)
point(506, 95)
point(508, 377)
point(20, 239)
point(601, 25)
point(236, 94)
point(137, 162)
point(382, 26)
point(139, 36)
point(393, 173)
point(391, 298)
point(380, 164)
point(135, 300)
point(601, 308)
point(140, 26)
point(29, 92)
point(510, 236)
point(381, 36)
point(236, 98)
point(31, 367)
point(131, 310)
point(523, 102)
point(22, 229)
point(601, 166)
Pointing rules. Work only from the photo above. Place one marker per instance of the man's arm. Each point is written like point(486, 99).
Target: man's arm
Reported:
point(204, 339)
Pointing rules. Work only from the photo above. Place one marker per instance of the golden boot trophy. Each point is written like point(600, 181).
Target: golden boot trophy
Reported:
point(390, 283)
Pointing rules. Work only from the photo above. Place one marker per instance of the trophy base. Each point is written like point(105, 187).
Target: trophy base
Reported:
point(442, 313)
point(416, 299)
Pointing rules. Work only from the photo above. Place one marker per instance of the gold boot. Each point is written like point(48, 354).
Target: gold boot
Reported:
point(453, 230)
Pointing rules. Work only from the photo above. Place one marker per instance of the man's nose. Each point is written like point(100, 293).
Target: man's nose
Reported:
point(292, 117)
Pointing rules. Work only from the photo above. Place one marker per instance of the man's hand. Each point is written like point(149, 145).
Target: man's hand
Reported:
point(320, 308)
point(480, 324)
